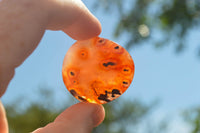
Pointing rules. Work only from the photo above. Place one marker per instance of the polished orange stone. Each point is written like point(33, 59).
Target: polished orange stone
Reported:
point(97, 70)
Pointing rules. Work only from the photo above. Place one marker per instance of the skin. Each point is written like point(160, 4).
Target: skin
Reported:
point(22, 25)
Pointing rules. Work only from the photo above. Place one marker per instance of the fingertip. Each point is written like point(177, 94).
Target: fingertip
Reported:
point(84, 25)
point(98, 115)
point(84, 28)
point(73, 18)
point(81, 112)
point(79, 118)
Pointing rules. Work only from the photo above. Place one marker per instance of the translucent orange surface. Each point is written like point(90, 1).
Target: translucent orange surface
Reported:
point(97, 70)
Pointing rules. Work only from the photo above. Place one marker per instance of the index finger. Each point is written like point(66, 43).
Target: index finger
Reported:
point(73, 17)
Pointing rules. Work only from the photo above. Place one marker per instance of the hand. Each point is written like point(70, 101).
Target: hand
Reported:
point(79, 118)
point(22, 25)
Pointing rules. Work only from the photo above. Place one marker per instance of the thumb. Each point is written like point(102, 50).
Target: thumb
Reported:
point(79, 118)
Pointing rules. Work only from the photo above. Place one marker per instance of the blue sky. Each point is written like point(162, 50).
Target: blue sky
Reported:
point(159, 74)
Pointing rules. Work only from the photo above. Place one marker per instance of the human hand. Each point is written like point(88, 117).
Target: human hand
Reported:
point(22, 25)
point(79, 118)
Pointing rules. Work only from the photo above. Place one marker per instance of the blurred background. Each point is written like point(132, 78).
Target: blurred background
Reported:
point(163, 38)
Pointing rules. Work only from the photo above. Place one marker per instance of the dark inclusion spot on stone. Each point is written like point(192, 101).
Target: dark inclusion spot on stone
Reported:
point(101, 40)
point(115, 91)
point(126, 70)
point(82, 99)
point(104, 97)
point(109, 63)
point(124, 82)
point(116, 47)
point(72, 73)
point(73, 92)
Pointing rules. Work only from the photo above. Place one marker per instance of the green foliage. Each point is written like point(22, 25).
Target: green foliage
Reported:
point(24, 121)
point(192, 116)
point(166, 21)
point(122, 116)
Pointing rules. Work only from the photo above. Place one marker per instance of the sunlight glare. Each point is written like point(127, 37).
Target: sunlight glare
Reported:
point(143, 30)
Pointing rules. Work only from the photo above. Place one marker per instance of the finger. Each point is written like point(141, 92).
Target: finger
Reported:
point(21, 27)
point(79, 118)
point(3, 121)
point(73, 17)
point(23, 24)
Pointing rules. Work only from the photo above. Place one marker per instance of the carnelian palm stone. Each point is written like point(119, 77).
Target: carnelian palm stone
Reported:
point(97, 70)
